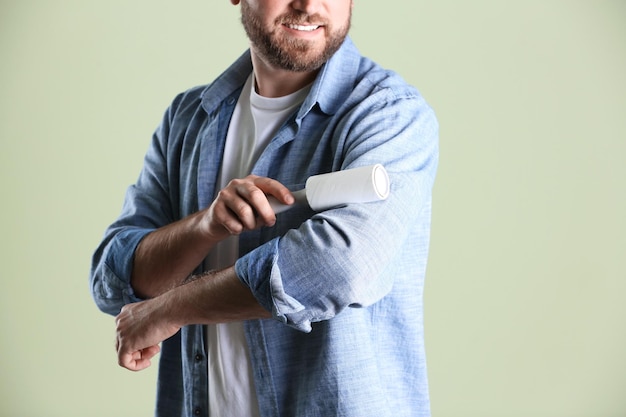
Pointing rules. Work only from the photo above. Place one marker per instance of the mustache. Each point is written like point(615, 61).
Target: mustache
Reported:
point(299, 18)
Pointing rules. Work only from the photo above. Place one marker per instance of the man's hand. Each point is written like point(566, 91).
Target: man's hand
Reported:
point(243, 205)
point(140, 329)
point(167, 256)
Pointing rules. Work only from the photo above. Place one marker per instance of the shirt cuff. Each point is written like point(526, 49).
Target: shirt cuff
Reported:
point(260, 272)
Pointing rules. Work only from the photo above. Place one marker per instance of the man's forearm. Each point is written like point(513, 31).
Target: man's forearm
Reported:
point(167, 256)
point(214, 297)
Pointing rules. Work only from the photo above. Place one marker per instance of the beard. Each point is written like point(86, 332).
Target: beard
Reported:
point(297, 55)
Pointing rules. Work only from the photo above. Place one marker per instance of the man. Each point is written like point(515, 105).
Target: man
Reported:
point(295, 314)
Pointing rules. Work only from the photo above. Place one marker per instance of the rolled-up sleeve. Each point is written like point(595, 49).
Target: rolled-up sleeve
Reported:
point(111, 270)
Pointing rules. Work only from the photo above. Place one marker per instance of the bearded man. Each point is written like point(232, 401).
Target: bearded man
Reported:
point(301, 313)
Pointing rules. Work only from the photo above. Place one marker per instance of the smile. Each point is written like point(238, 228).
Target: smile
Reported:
point(303, 28)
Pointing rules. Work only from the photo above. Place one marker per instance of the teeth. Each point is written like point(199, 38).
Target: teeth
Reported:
point(303, 28)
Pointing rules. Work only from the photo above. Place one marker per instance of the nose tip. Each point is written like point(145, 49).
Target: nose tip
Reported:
point(306, 6)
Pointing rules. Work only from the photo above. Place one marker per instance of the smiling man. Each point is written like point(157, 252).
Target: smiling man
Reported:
point(295, 314)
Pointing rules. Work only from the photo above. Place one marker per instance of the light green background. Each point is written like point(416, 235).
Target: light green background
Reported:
point(525, 308)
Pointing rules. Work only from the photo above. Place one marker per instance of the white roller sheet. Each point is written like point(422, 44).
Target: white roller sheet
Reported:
point(325, 191)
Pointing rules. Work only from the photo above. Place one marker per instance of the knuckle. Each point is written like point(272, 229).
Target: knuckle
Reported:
point(256, 193)
point(243, 209)
point(224, 194)
point(236, 182)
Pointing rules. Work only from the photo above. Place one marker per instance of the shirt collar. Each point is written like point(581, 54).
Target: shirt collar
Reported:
point(335, 81)
point(227, 83)
point(330, 89)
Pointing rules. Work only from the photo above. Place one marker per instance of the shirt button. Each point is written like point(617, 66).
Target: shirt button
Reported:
point(197, 412)
point(199, 357)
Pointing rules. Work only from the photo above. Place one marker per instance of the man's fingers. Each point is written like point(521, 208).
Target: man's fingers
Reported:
point(243, 204)
point(150, 352)
point(274, 188)
point(134, 365)
point(261, 208)
point(245, 208)
point(138, 360)
point(255, 191)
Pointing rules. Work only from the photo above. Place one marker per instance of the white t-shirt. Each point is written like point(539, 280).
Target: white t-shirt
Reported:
point(254, 123)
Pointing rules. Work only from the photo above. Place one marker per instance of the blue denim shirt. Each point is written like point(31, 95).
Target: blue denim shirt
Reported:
point(344, 286)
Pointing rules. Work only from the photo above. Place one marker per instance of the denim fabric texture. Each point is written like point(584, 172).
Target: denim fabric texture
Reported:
point(345, 286)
